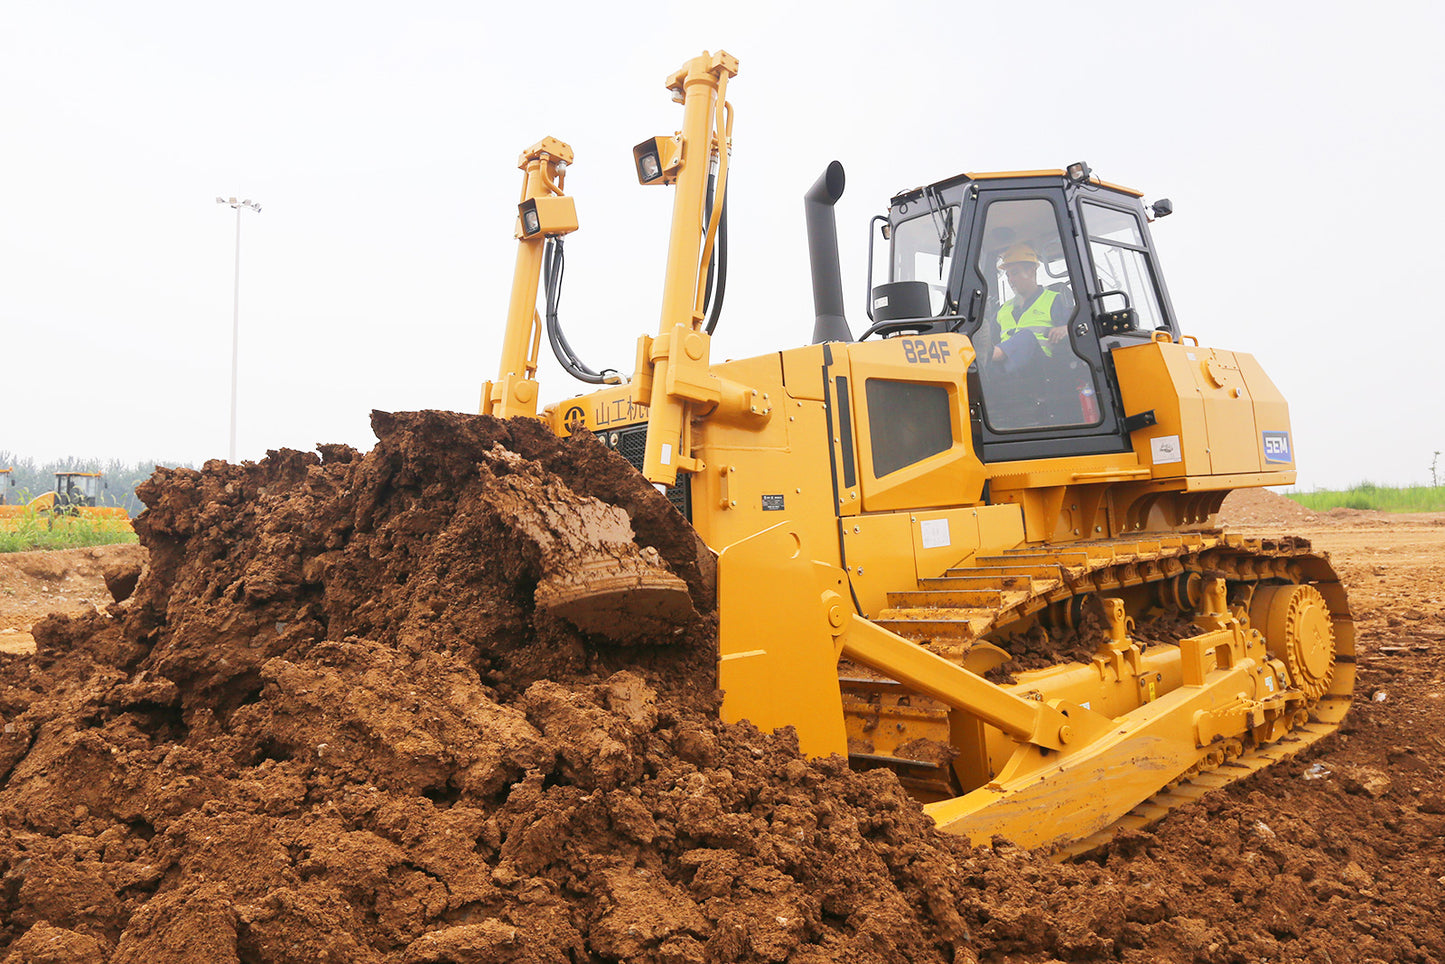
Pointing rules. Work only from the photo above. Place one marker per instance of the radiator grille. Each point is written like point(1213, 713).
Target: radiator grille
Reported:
point(631, 444)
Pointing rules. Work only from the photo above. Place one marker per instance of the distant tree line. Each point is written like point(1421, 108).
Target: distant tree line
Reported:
point(32, 478)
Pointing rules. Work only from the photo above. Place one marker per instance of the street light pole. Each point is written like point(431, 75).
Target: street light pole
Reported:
point(236, 309)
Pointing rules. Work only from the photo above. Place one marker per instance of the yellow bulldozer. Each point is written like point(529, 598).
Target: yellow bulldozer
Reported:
point(974, 544)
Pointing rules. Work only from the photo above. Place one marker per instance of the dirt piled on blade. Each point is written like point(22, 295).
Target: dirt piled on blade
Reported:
point(353, 712)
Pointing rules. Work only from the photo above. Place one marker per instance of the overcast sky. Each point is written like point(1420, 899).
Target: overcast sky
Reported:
point(1297, 141)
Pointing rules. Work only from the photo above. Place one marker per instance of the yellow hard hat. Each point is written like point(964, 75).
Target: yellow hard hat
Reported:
point(1019, 254)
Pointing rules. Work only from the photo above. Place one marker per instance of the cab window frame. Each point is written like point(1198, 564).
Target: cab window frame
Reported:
point(939, 288)
point(1144, 248)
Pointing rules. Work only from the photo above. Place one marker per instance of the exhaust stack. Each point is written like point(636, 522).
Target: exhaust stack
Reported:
point(829, 323)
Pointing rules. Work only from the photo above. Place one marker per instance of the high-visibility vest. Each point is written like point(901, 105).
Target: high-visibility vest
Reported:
point(1038, 316)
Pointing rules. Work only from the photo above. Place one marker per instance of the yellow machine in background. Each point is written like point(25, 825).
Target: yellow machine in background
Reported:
point(974, 545)
point(76, 495)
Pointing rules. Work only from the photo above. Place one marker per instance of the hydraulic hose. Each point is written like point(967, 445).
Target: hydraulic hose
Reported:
point(553, 268)
point(719, 267)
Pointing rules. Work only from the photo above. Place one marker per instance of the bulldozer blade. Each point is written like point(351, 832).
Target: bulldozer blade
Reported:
point(629, 605)
point(593, 573)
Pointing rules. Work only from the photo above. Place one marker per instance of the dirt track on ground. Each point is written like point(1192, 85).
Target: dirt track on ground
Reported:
point(334, 724)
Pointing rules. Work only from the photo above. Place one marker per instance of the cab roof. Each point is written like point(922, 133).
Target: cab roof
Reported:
point(1008, 175)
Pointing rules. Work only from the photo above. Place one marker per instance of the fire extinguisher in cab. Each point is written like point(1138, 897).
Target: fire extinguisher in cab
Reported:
point(1088, 402)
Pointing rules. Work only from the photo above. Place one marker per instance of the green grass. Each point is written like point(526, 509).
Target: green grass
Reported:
point(1367, 495)
point(30, 530)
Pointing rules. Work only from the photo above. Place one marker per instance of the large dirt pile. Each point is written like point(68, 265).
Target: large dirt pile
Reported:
point(334, 724)
point(347, 715)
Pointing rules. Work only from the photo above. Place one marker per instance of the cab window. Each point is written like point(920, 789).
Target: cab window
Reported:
point(1029, 372)
point(919, 251)
point(1121, 263)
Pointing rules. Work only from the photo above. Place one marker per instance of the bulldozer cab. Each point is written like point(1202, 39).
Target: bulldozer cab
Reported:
point(74, 490)
point(1046, 273)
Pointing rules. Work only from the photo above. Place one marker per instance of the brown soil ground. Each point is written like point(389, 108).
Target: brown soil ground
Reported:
point(35, 584)
point(335, 721)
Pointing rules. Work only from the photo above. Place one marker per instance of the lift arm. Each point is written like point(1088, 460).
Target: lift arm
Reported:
point(543, 212)
point(673, 377)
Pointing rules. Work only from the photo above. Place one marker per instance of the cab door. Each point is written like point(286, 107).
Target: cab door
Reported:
point(1041, 386)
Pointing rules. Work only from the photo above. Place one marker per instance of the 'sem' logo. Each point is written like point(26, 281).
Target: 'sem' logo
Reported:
point(1276, 447)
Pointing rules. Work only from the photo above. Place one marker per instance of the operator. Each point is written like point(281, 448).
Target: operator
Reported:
point(1035, 320)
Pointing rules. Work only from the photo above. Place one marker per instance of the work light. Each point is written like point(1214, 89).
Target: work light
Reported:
point(657, 160)
point(552, 215)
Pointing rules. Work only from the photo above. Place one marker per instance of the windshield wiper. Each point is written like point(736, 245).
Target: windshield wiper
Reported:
point(942, 216)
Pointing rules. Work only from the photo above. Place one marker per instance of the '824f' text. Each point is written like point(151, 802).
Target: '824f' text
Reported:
point(925, 351)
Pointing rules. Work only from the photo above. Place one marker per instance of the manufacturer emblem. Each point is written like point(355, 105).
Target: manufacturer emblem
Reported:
point(1276, 447)
point(574, 418)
